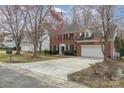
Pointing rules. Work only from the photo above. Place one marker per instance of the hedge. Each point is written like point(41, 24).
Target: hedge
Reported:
point(122, 51)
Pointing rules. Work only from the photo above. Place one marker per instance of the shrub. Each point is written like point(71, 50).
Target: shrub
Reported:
point(46, 52)
point(117, 43)
point(9, 51)
point(122, 51)
point(68, 53)
point(50, 52)
point(55, 52)
point(14, 48)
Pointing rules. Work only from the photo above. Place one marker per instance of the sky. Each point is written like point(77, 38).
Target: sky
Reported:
point(67, 9)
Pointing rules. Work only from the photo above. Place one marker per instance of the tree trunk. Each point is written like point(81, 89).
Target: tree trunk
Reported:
point(18, 49)
point(105, 58)
point(40, 48)
point(35, 49)
point(11, 57)
point(105, 52)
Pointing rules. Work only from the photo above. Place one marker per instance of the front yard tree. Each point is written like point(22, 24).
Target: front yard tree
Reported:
point(40, 19)
point(13, 20)
point(106, 23)
point(35, 24)
point(82, 16)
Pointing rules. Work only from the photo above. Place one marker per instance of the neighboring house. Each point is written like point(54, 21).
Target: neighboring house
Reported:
point(86, 43)
point(8, 42)
point(1, 38)
point(26, 44)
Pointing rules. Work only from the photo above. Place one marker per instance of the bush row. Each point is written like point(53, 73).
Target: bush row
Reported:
point(46, 52)
point(122, 51)
point(57, 52)
point(8, 48)
point(69, 52)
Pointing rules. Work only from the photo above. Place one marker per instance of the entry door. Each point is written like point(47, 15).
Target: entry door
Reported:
point(63, 49)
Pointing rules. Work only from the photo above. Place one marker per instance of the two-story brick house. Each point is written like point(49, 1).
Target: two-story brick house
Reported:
point(84, 43)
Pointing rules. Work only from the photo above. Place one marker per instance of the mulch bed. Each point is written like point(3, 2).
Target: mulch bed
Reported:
point(90, 78)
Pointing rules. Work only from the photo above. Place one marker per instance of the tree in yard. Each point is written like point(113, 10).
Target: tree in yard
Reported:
point(35, 24)
point(106, 23)
point(39, 22)
point(100, 19)
point(13, 21)
point(82, 16)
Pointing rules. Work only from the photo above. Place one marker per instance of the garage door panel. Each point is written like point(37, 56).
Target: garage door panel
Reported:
point(91, 51)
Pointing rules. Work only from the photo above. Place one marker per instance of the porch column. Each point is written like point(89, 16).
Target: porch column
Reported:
point(60, 49)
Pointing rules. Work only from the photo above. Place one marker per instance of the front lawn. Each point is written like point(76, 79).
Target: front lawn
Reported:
point(122, 59)
point(26, 57)
point(2, 49)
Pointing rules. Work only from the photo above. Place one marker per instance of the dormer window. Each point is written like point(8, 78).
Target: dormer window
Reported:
point(87, 34)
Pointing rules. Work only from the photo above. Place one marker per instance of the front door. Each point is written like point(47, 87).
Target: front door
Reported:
point(63, 49)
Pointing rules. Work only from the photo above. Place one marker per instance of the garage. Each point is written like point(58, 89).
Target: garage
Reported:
point(91, 51)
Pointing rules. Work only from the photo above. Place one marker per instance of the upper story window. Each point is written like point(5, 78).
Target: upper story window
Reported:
point(66, 36)
point(71, 36)
point(87, 34)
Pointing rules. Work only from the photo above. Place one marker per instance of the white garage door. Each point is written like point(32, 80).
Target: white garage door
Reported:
point(91, 51)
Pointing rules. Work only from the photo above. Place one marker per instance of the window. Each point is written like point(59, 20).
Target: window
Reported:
point(51, 47)
point(66, 36)
point(66, 47)
point(87, 34)
point(54, 47)
point(71, 48)
point(71, 36)
point(62, 37)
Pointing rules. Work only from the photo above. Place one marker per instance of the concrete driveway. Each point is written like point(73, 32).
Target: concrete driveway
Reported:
point(12, 79)
point(58, 68)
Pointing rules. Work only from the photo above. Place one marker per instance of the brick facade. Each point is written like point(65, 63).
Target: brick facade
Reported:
point(71, 40)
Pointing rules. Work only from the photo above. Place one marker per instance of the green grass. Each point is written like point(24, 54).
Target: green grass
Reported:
point(122, 59)
point(2, 49)
point(26, 57)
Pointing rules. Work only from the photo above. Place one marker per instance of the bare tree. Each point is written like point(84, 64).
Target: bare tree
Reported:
point(82, 16)
point(35, 24)
point(40, 18)
point(13, 20)
point(100, 19)
point(106, 23)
